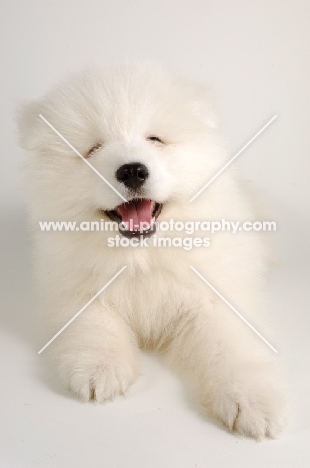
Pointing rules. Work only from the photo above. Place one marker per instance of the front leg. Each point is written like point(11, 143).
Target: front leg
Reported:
point(96, 356)
point(234, 374)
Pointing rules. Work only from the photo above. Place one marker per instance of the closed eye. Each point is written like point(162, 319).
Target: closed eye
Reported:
point(93, 149)
point(154, 138)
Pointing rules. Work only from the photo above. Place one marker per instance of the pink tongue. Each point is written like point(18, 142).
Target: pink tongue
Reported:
point(135, 212)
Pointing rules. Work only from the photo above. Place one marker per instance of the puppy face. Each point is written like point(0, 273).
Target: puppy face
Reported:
point(149, 134)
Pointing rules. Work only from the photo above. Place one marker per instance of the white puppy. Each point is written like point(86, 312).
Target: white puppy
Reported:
point(153, 138)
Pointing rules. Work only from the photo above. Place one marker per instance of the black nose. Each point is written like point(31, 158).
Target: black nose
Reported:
point(132, 175)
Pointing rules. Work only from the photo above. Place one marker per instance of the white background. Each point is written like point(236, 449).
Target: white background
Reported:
point(256, 55)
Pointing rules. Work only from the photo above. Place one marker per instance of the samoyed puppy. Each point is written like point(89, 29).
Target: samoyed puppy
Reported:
point(153, 139)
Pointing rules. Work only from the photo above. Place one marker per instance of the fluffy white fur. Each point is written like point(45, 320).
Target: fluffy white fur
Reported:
point(157, 302)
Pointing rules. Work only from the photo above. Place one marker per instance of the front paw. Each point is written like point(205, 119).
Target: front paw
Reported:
point(97, 376)
point(250, 402)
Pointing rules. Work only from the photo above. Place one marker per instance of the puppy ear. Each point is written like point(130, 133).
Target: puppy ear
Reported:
point(207, 108)
point(30, 125)
point(204, 103)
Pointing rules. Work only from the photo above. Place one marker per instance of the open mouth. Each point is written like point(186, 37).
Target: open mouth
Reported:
point(137, 217)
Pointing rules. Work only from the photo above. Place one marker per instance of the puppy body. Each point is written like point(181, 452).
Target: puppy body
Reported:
point(157, 302)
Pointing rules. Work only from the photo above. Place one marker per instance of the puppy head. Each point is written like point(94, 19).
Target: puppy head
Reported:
point(150, 135)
